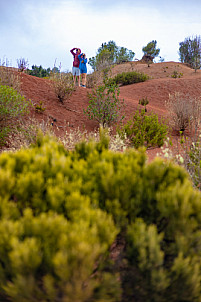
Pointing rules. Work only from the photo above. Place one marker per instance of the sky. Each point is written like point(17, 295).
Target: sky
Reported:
point(43, 31)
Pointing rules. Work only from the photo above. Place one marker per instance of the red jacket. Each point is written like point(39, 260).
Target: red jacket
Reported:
point(76, 61)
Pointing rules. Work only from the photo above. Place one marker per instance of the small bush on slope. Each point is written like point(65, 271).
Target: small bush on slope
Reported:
point(12, 105)
point(57, 204)
point(184, 112)
point(144, 130)
point(126, 78)
point(62, 84)
point(105, 105)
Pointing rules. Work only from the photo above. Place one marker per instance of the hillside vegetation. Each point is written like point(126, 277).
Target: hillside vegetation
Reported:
point(61, 211)
point(69, 116)
point(80, 221)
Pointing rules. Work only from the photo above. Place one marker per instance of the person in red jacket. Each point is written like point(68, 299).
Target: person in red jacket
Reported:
point(76, 63)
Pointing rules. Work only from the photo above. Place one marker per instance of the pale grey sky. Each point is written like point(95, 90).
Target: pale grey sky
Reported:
point(43, 31)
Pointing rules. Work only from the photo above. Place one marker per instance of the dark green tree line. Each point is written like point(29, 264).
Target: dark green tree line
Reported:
point(39, 71)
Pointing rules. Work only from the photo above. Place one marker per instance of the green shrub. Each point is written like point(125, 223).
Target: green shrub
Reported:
point(147, 276)
point(144, 102)
point(192, 161)
point(144, 130)
point(132, 77)
point(163, 251)
point(163, 258)
point(4, 132)
point(39, 107)
point(105, 105)
point(150, 277)
point(51, 238)
point(57, 215)
point(176, 74)
point(12, 105)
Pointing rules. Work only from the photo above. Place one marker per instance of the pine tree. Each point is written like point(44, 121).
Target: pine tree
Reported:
point(190, 52)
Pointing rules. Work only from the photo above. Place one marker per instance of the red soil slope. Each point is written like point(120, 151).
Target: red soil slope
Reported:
point(156, 89)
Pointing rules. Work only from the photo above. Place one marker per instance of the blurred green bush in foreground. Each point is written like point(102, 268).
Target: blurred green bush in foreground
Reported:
point(60, 212)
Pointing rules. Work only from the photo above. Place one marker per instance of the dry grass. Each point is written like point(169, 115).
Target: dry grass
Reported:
point(63, 85)
point(95, 79)
point(187, 153)
point(26, 131)
point(184, 112)
point(9, 77)
point(75, 136)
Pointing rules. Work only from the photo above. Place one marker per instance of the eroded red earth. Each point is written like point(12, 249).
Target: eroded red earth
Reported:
point(157, 89)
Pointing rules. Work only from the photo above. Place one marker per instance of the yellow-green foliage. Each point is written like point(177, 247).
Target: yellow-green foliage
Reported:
point(163, 246)
point(144, 130)
point(51, 237)
point(60, 211)
point(132, 77)
point(12, 106)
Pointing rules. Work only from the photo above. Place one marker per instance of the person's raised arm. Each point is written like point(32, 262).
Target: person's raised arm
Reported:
point(72, 51)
